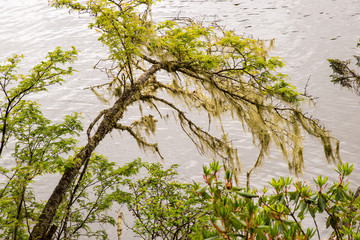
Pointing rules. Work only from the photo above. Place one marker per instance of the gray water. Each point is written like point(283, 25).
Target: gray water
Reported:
point(306, 33)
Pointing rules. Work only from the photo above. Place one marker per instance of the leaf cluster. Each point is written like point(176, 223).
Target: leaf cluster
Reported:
point(240, 214)
point(163, 207)
point(344, 75)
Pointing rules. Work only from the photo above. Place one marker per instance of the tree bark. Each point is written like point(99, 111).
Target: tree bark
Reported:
point(110, 118)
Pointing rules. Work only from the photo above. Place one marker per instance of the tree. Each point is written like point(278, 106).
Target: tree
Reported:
point(15, 87)
point(344, 75)
point(163, 206)
point(210, 70)
point(38, 144)
point(34, 147)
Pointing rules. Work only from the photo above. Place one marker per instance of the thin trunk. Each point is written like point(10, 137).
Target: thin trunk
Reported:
point(119, 228)
point(18, 214)
point(111, 117)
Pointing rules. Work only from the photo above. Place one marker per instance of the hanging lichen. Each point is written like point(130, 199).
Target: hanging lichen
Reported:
point(210, 70)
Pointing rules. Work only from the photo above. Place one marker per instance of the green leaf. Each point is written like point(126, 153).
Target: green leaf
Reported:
point(357, 202)
point(339, 195)
point(263, 227)
point(247, 195)
point(220, 225)
point(215, 238)
point(236, 189)
point(321, 203)
point(237, 222)
point(204, 194)
point(287, 222)
point(312, 211)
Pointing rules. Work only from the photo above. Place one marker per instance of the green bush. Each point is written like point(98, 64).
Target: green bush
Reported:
point(163, 207)
point(280, 213)
point(166, 209)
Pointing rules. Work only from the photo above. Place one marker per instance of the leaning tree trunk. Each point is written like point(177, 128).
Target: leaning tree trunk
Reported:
point(110, 117)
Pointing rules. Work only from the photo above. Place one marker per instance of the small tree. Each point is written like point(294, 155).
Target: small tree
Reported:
point(38, 145)
point(210, 70)
point(163, 206)
point(34, 146)
point(344, 75)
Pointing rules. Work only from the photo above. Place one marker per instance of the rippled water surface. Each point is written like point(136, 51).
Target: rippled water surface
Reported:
point(306, 33)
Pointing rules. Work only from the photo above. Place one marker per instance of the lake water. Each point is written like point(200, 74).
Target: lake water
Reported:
point(306, 33)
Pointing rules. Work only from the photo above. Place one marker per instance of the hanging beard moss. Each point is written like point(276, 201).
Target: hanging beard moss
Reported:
point(210, 70)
